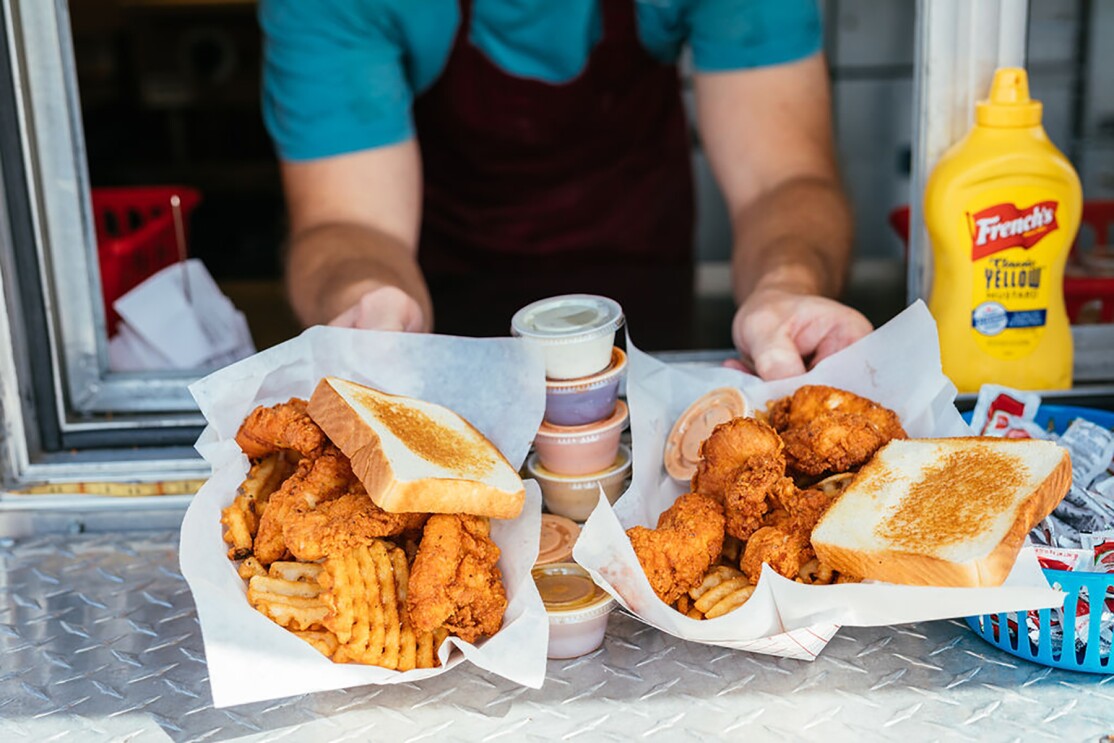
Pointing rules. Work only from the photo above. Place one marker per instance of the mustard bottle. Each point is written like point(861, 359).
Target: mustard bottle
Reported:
point(1002, 209)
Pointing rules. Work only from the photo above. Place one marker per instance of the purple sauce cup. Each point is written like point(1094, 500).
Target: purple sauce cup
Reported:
point(576, 402)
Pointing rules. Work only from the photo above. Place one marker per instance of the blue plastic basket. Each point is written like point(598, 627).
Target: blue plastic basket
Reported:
point(1008, 630)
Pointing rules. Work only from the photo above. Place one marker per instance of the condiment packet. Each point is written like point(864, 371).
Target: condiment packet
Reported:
point(1059, 558)
point(1084, 509)
point(898, 366)
point(251, 658)
point(1092, 449)
point(1099, 547)
point(1007, 413)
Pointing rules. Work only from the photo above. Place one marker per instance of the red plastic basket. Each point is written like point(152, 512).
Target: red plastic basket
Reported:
point(135, 236)
point(1094, 293)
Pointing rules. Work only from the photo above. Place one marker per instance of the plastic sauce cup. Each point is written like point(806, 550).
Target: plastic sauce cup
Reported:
point(581, 450)
point(575, 496)
point(682, 446)
point(575, 332)
point(575, 402)
point(578, 609)
point(558, 537)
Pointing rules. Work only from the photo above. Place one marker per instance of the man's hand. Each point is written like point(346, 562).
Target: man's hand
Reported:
point(780, 332)
point(385, 308)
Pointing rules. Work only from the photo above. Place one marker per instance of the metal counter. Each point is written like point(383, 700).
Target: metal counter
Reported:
point(99, 640)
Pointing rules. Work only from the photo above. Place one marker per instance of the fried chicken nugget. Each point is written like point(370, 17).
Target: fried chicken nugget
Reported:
point(833, 442)
point(783, 551)
point(741, 443)
point(805, 507)
point(831, 430)
point(342, 523)
point(812, 401)
point(750, 495)
point(286, 425)
point(455, 581)
point(688, 539)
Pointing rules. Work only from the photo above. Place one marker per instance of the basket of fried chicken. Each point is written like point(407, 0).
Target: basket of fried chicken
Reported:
point(765, 515)
point(365, 521)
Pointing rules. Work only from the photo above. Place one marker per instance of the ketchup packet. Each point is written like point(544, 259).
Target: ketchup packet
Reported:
point(1100, 551)
point(1007, 413)
point(1057, 558)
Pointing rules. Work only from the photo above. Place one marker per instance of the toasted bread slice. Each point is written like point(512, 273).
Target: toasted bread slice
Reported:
point(415, 456)
point(943, 512)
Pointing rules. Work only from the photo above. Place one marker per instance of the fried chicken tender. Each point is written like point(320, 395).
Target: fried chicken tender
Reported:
point(314, 482)
point(741, 443)
point(283, 426)
point(455, 581)
point(688, 539)
point(783, 551)
point(831, 430)
point(347, 521)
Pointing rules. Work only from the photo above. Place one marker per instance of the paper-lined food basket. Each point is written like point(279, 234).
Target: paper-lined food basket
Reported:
point(497, 384)
point(898, 366)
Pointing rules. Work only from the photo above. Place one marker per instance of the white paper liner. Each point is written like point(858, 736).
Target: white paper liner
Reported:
point(898, 366)
point(497, 384)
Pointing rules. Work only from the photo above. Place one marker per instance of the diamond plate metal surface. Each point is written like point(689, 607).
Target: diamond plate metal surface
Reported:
point(99, 640)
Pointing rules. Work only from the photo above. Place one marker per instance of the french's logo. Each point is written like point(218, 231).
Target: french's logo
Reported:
point(1005, 226)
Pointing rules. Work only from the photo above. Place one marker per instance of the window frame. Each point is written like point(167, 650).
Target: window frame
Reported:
point(57, 180)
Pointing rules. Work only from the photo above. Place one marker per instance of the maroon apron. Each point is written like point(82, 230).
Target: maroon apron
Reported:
point(533, 189)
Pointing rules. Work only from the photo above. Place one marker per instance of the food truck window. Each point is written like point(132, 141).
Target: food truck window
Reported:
point(130, 136)
point(130, 133)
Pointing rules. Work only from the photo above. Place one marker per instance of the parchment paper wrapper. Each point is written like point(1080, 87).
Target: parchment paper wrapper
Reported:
point(898, 366)
point(497, 384)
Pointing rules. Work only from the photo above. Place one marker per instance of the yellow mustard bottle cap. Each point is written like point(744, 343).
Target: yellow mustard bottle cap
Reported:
point(1009, 104)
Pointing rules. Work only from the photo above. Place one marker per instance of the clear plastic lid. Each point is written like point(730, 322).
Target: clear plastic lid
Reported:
point(570, 317)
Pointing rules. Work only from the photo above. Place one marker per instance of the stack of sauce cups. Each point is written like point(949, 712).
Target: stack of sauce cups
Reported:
point(577, 449)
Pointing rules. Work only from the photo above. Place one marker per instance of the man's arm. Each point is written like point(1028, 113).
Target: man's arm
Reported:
point(354, 224)
point(767, 134)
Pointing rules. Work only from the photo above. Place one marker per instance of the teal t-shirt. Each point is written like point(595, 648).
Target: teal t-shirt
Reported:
point(341, 75)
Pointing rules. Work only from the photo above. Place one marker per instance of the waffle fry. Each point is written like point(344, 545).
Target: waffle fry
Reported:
point(250, 567)
point(715, 576)
point(835, 484)
point(263, 479)
point(365, 590)
point(730, 602)
point(240, 525)
point(719, 592)
point(241, 519)
point(323, 641)
point(295, 605)
point(723, 590)
point(295, 571)
point(816, 573)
